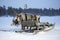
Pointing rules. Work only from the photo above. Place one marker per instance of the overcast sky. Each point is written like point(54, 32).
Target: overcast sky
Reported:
point(31, 3)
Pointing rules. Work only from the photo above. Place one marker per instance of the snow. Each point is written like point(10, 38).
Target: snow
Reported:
point(5, 24)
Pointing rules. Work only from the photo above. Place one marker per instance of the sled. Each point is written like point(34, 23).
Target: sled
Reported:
point(31, 23)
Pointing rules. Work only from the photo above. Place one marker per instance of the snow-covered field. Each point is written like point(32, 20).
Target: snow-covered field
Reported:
point(5, 24)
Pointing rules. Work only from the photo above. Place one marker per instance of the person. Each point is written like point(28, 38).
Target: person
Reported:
point(19, 19)
point(15, 22)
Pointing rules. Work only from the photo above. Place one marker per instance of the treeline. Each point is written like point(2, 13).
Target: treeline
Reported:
point(10, 11)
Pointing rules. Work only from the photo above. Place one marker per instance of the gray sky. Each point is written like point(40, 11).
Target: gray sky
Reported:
point(31, 3)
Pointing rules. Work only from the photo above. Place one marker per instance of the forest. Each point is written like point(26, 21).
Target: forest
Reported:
point(10, 11)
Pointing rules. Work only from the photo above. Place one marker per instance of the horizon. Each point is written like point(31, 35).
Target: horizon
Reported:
point(31, 3)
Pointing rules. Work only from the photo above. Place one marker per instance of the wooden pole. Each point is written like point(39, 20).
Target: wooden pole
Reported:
point(30, 28)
